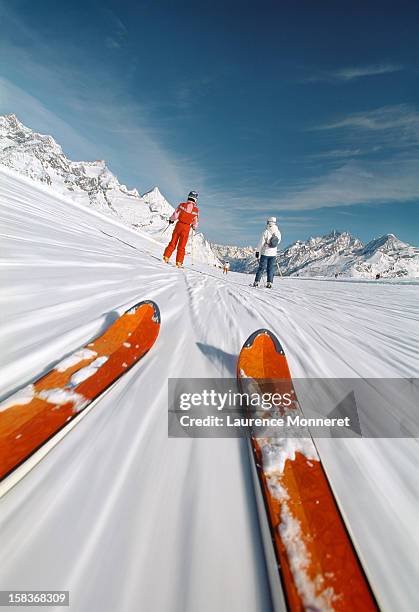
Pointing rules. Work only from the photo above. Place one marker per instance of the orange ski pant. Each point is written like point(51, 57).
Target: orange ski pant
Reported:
point(179, 238)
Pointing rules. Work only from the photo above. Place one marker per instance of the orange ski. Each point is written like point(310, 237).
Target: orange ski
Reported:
point(314, 558)
point(33, 415)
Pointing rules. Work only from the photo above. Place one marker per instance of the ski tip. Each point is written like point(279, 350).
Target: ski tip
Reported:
point(259, 332)
point(156, 310)
point(156, 315)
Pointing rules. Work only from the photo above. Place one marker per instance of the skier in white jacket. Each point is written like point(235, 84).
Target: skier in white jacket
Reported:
point(267, 251)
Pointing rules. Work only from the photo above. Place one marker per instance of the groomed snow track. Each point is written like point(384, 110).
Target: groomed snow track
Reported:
point(119, 514)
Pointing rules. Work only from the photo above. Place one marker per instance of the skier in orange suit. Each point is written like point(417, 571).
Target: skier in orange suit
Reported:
point(187, 216)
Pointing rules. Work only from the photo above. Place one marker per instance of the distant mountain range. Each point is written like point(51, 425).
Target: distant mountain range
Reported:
point(40, 158)
point(338, 254)
point(92, 183)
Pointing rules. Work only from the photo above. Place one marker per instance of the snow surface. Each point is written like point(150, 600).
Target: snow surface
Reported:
point(60, 397)
point(124, 517)
point(291, 535)
point(74, 359)
point(20, 398)
point(275, 454)
point(88, 371)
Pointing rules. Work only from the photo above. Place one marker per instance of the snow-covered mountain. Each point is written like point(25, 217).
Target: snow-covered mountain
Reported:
point(336, 254)
point(233, 254)
point(157, 202)
point(387, 256)
point(40, 158)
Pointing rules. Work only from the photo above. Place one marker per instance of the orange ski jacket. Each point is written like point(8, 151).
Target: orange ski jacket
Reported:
point(187, 213)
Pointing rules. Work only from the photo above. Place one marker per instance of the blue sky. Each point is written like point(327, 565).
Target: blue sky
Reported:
point(307, 111)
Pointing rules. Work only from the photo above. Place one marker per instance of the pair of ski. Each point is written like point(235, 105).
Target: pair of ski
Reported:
point(311, 562)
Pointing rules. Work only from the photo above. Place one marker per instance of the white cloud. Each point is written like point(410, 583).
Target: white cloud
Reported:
point(399, 116)
point(336, 154)
point(347, 74)
point(388, 130)
point(118, 37)
point(358, 183)
point(391, 131)
point(354, 72)
point(112, 43)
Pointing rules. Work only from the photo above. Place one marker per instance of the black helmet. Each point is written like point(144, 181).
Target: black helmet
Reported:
point(193, 195)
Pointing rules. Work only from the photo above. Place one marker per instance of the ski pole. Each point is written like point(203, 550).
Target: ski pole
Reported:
point(279, 270)
point(163, 231)
point(193, 236)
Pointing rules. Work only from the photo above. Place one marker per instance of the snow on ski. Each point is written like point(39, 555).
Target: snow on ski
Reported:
point(32, 416)
point(309, 552)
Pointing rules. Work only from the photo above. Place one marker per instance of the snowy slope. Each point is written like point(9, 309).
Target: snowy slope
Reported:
point(122, 513)
point(336, 254)
point(40, 158)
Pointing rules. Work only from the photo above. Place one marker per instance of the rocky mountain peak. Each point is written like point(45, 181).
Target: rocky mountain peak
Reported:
point(91, 183)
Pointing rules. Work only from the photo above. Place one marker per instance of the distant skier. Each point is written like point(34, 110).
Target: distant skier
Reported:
point(187, 216)
point(267, 251)
point(226, 267)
